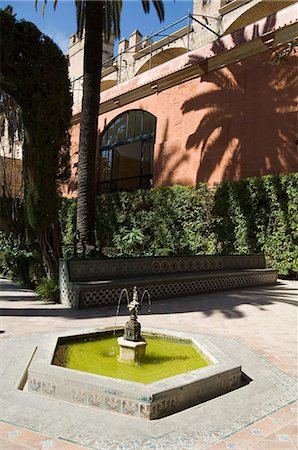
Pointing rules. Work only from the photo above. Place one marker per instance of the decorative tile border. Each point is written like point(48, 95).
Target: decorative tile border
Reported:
point(164, 277)
point(198, 427)
point(100, 297)
point(102, 269)
point(151, 401)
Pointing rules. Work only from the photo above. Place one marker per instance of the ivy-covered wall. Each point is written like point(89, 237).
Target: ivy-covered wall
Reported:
point(249, 216)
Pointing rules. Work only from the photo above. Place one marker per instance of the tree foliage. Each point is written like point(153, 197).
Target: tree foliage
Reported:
point(34, 72)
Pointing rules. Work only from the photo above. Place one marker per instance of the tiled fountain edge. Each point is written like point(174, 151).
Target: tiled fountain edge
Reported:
point(151, 401)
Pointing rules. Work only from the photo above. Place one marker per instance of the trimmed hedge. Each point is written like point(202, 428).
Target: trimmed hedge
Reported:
point(249, 216)
point(260, 215)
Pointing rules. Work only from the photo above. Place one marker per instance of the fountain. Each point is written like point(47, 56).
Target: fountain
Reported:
point(132, 344)
point(149, 375)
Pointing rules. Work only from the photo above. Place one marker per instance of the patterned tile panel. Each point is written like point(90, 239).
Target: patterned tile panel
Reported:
point(68, 296)
point(100, 269)
point(167, 269)
point(98, 297)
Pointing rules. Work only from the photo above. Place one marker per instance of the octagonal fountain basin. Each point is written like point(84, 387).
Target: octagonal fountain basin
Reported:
point(179, 370)
point(99, 354)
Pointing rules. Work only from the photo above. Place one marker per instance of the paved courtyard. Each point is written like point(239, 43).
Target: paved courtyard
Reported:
point(259, 323)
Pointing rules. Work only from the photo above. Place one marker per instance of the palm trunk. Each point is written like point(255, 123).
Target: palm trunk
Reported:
point(89, 127)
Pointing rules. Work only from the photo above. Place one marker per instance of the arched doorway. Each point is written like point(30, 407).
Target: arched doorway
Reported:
point(126, 153)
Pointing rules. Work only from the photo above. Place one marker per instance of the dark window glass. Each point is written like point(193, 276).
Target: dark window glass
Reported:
point(106, 165)
point(126, 156)
point(149, 125)
point(139, 124)
point(131, 124)
point(129, 160)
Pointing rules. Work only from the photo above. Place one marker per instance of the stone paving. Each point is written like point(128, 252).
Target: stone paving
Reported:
point(261, 320)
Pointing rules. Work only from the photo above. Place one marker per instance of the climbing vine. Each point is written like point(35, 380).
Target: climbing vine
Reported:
point(34, 72)
point(252, 215)
point(283, 53)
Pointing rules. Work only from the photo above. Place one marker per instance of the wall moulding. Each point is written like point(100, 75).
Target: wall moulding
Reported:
point(226, 50)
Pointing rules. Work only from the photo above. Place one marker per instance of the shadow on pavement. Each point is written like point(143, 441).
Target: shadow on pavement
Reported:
point(226, 302)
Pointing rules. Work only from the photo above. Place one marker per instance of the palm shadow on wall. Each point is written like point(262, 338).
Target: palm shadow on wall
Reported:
point(239, 135)
point(169, 160)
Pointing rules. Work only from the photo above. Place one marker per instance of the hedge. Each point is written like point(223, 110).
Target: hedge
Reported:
point(248, 216)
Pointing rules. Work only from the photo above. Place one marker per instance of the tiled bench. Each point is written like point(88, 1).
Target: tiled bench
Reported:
point(87, 283)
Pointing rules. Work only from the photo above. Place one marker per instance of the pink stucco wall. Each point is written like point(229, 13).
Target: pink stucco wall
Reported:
point(232, 123)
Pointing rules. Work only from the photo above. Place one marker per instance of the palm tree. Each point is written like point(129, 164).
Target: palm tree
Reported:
point(98, 18)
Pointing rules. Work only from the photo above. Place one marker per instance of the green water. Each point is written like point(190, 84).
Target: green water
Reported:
point(164, 358)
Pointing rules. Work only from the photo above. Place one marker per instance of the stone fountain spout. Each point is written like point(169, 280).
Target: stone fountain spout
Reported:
point(132, 344)
point(132, 330)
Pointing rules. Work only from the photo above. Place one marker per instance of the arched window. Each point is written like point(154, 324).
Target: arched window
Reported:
point(126, 154)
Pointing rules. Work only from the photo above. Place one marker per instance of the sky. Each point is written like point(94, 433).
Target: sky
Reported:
point(60, 24)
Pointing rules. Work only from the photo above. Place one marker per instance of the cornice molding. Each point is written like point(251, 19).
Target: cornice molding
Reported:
point(228, 7)
point(249, 41)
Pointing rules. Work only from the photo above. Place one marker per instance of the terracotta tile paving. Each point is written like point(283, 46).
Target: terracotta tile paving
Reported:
point(259, 436)
point(6, 445)
point(267, 327)
point(278, 431)
point(218, 446)
point(14, 437)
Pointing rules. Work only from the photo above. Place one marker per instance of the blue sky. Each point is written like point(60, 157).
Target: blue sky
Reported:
point(60, 24)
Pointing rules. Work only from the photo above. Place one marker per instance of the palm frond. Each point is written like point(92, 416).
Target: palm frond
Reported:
point(44, 4)
point(80, 14)
point(146, 6)
point(43, 7)
point(112, 13)
point(117, 8)
point(160, 9)
point(158, 5)
point(107, 20)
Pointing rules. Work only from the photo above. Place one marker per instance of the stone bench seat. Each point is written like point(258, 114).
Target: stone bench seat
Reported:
point(93, 283)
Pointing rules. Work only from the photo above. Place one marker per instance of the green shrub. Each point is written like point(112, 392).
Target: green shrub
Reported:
point(18, 262)
point(280, 242)
point(48, 290)
point(260, 215)
point(67, 217)
point(240, 217)
point(161, 221)
point(15, 259)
